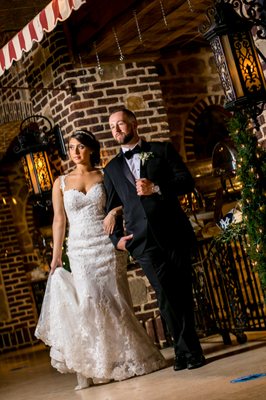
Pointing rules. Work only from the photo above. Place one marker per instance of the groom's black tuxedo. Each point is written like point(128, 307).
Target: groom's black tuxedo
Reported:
point(160, 212)
point(162, 234)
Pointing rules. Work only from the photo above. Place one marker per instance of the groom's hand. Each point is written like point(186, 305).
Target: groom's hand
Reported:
point(121, 244)
point(145, 187)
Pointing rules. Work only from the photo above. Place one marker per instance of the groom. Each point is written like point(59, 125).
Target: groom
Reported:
point(146, 179)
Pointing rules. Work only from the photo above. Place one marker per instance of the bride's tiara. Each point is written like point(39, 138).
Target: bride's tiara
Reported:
point(87, 133)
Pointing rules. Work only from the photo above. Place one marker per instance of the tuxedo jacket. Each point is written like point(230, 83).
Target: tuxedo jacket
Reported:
point(158, 216)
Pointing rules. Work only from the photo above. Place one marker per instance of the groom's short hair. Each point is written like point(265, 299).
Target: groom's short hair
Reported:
point(126, 111)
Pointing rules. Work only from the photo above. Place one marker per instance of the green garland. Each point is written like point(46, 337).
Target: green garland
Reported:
point(232, 232)
point(251, 169)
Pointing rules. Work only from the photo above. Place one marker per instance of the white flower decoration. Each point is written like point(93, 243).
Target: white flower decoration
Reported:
point(145, 156)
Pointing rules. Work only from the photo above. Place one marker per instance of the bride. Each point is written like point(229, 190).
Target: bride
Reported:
point(87, 317)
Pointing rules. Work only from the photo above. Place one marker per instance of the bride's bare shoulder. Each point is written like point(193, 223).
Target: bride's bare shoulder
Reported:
point(99, 173)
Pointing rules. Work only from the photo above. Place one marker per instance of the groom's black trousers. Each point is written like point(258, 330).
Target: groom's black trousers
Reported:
point(170, 274)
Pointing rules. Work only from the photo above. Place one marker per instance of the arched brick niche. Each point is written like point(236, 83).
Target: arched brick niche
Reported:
point(205, 126)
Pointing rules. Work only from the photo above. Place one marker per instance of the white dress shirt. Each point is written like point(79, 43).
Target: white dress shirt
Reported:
point(134, 162)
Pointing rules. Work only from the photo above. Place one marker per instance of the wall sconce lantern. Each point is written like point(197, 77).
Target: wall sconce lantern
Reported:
point(37, 172)
point(236, 58)
point(36, 137)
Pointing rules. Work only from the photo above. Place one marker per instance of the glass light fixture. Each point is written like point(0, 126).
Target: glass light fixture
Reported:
point(36, 137)
point(37, 172)
point(237, 61)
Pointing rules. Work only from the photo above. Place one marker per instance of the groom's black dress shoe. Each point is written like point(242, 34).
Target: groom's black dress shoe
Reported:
point(196, 361)
point(180, 362)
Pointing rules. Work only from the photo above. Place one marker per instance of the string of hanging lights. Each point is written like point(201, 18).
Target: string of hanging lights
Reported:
point(121, 57)
point(164, 14)
point(190, 6)
point(99, 67)
point(138, 27)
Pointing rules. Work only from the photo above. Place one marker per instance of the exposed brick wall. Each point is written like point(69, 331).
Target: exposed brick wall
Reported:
point(77, 96)
point(17, 330)
point(186, 79)
point(98, 95)
point(134, 85)
point(190, 82)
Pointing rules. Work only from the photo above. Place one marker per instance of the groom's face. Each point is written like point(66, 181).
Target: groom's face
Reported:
point(124, 130)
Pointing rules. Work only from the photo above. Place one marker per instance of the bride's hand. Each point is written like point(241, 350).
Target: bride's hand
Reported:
point(55, 264)
point(109, 223)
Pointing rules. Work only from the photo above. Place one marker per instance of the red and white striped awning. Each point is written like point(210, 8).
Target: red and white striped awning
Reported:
point(45, 21)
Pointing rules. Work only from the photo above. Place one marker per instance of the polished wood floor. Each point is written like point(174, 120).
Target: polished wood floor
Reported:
point(27, 375)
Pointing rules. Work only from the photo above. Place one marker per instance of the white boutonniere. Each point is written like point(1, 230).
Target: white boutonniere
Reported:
point(145, 156)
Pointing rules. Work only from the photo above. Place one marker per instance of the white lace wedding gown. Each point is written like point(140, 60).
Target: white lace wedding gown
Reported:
point(87, 317)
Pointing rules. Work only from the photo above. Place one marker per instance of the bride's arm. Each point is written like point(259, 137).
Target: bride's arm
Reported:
point(58, 227)
point(109, 220)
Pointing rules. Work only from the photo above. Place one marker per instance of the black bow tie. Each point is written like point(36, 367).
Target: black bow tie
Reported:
point(129, 154)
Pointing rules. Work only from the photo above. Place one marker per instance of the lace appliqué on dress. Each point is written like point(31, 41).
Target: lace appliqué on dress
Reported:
point(86, 317)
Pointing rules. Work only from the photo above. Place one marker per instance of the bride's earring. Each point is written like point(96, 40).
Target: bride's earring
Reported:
point(83, 382)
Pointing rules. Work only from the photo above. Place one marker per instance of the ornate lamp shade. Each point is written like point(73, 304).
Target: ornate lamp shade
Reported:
point(236, 57)
point(36, 137)
point(37, 172)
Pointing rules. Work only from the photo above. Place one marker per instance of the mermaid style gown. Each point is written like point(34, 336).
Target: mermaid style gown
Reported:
point(87, 317)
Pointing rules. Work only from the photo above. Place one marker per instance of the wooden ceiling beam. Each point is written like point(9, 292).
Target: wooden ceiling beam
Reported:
point(89, 60)
point(125, 25)
point(121, 36)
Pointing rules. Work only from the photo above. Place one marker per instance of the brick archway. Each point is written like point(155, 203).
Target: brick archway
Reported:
point(196, 111)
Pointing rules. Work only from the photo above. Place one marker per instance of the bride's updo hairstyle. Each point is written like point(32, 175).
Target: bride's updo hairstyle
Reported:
point(88, 139)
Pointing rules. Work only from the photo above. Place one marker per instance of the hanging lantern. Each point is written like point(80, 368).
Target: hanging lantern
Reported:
point(37, 172)
point(35, 137)
point(236, 58)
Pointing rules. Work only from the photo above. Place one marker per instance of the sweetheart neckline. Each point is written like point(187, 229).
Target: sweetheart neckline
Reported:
point(79, 191)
